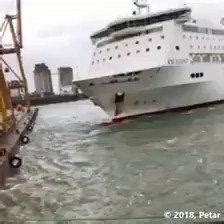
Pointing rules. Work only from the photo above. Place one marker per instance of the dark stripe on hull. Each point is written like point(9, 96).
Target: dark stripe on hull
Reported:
point(178, 109)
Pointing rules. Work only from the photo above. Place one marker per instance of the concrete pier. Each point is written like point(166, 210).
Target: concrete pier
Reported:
point(11, 141)
point(35, 101)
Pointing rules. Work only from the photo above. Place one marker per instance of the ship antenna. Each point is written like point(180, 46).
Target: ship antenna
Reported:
point(141, 4)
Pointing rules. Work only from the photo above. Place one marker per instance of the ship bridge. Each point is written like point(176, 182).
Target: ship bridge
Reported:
point(141, 21)
point(139, 43)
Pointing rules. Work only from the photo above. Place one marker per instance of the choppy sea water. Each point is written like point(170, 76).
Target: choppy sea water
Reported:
point(74, 167)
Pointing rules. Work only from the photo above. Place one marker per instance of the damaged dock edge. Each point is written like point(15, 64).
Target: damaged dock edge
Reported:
point(10, 144)
point(14, 123)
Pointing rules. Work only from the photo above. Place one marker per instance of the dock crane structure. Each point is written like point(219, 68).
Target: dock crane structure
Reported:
point(15, 124)
point(6, 109)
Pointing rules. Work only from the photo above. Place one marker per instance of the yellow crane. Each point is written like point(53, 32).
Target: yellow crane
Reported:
point(6, 110)
point(14, 124)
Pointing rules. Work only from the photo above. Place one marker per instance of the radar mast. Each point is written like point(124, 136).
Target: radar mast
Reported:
point(141, 6)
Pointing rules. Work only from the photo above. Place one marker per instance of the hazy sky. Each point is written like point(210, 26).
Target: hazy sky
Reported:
point(57, 31)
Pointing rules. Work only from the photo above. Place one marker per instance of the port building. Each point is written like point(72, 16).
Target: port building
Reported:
point(42, 79)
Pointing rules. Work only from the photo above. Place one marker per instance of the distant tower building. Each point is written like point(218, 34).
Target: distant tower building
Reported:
point(65, 79)
point(42, 79)
point(65, 76)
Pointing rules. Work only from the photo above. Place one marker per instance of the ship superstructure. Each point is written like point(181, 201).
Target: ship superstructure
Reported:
point(155, 62)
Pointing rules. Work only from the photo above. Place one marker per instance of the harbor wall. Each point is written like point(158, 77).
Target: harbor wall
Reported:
point(49, 99)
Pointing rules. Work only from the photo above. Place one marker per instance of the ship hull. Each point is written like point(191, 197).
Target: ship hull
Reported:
point(156, 90)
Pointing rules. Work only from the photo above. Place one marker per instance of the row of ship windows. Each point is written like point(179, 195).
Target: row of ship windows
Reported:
point(163, 37)
point(197, 75)
point(178, 48)
point(159, 48)
point(200, 38)
point(126, 45)
point(210, 47)
point(217, 58)
point(197, 37)
point(202, 30)
point(129, 53)
point(130, 79)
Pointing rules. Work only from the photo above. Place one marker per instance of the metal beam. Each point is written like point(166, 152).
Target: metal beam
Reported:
point(7, 51)
point(19, 58)
point(19, 23)
point(10, 68)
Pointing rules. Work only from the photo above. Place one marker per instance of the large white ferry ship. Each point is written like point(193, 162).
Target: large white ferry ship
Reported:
point(155, 62)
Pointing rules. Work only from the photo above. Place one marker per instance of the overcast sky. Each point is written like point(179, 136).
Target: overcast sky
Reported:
point(57, 32)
